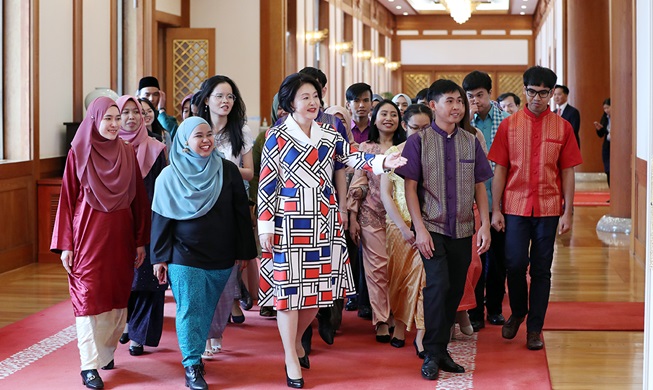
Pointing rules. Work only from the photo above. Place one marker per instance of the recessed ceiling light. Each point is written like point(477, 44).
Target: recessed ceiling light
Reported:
point(398, 7)
point(392, 1)
point(405, 13)
point(523, 7)
point(522, 13)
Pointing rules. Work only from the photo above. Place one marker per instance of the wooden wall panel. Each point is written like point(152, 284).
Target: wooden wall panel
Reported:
point(17, 205)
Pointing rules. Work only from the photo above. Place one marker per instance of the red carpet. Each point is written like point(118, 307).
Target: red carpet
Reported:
point(591, 199)
point(252, 358)
point(623, 316)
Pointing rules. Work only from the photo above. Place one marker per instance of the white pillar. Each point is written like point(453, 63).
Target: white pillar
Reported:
point(644, 120)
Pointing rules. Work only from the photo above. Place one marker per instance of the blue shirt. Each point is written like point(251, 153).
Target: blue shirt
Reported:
point(489, 127)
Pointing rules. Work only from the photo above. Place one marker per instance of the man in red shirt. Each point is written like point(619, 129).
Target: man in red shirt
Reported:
point(535, 151)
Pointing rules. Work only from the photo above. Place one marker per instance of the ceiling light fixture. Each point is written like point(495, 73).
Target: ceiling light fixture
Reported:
point(405, 13)
point(398, 7)
point(460, 10)
point(523, 7)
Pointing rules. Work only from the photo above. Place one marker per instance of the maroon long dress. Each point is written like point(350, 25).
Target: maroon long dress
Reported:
point(103, 243)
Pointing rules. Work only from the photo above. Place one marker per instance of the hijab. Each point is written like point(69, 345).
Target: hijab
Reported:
point(333, 110)
point(147, 149)
point(190, 186)
point(397, 96)
point(105, 168)
point(275, 108)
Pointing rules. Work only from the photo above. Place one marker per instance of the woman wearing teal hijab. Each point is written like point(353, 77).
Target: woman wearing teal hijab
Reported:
point(200, 228)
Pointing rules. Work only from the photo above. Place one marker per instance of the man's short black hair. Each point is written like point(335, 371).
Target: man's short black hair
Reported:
point(539, 75)
point(503, 97)
point(476, 80)
point(421, 95)
point(440, 87)
point(315, 72)
point(356, 90)
point(564, 88)
point(291, 85)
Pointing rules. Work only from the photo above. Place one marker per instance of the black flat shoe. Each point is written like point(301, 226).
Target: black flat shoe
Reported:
point(195, 377)
point(91, 379)
point(382, 338)
point(238, 319)
point(304, 362)
point(397, 343)
point(294, 383)
point(136, 350)
point(109, 366)
point(420, 354)
point(124, 339)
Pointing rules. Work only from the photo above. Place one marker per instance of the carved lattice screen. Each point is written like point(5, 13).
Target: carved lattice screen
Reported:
point(415, 82)
point(190, 66)
point(510, 82)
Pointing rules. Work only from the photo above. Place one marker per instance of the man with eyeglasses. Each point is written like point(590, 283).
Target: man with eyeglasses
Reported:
point(535, 152)
point(490, 289)
point(148, 88)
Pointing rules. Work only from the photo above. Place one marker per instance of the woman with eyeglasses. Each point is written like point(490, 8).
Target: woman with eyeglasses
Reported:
point(405, 268)
point(222, 106)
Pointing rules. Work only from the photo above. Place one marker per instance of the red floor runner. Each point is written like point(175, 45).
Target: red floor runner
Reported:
point(252, 358)
point(621, 316)
point(591, 199)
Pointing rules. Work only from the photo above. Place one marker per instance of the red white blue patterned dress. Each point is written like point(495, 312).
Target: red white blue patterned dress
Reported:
point(297, 202)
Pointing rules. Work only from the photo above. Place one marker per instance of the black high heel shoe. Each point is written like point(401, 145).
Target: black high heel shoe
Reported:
point(304, 362)
point(294, 383)
point(420, 354)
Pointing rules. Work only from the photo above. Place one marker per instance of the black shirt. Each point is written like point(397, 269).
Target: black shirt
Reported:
point(213, 241)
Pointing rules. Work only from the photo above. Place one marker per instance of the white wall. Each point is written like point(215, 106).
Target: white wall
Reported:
point(96, 45)
point(169, 6)
point(55, 74)
point(237, 45)
point(464, 52)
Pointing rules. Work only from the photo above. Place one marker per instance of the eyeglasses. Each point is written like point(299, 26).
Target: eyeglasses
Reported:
point(230, 96)
point(415, 128)
point(543, 93)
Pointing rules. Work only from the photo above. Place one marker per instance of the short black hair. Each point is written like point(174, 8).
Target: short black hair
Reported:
point(400, 134)
point(315, 72)
point(564, 88)
point(415, 109)
point(607, 102)
point(440, 87)
point(356, 90)
point(421, 95)
point(291, 85)
point(539, 75)
point(503, 97)
point(476, 80)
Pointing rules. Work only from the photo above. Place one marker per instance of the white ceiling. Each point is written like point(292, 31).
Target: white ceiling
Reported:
point(423, 7)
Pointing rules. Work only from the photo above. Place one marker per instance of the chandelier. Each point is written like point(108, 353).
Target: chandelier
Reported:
point(460, 10)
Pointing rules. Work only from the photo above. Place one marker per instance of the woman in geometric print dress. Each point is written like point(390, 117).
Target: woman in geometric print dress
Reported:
point(305, 264)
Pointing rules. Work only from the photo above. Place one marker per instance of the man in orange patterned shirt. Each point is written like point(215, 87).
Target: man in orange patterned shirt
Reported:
point(535, 151)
